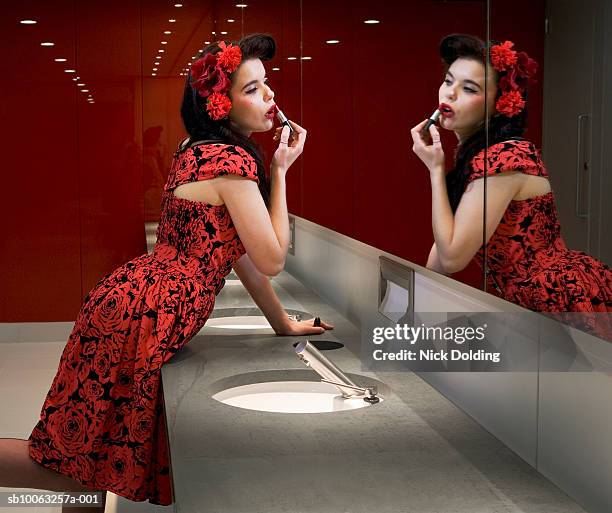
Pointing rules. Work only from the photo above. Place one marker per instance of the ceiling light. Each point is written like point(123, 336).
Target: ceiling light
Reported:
point(28, 22)
point(332, 41)
point(206, 42)
point(164, 42)
point(291, 58)
point(214, 33)
point(160, 51)
point(75, 79)
point(275, 69)
point(371, 22)
point(81, 85)
point(230, 21)
point(155, 69)
point(167, 32)
point(223, 32)
point(178, 5)
point(153, 74)
point(241, 5)
point(84, 90)
point(70, 71)
point(47, 43)
point(306, 58)
point(172, 21)
point(60, 59)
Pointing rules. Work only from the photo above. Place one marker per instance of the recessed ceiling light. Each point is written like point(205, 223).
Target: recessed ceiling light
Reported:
point(75, 79)
point(81, 85)
point(84, 90)
point(371, 22)
point(241, 5)
point(47, 43)
point(172, 21)
point(223, 32)
point(332, 41)
point(214, 33)
point(164, 42)
point(60, 59)
point(291, 58)
point(178, 5)
point(155, 69)
point(28, 22)
point(306, 58)
point(153, 74)
point(70, 71)
point(230, 20)
point(167, 32)
point(206, 42)
point(160, 51)
point(275, 69)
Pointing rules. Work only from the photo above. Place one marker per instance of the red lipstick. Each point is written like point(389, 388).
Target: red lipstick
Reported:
point(446, 110)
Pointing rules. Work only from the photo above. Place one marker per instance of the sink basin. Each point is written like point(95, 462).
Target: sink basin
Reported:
point(241, 322)
point(289, 397)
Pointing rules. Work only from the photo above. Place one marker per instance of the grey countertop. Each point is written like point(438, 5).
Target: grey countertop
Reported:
point(413, 452)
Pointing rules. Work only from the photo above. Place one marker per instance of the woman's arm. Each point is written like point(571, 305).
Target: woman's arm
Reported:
point(458, 236)
point(264, 233)
point(259, 287)
point(433, 262)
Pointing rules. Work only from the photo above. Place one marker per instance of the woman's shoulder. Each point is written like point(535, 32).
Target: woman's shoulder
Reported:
point(220, 159)
point(510, 154)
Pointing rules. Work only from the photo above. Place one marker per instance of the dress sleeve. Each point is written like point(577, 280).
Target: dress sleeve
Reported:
point(214, 160)
point(511, 155)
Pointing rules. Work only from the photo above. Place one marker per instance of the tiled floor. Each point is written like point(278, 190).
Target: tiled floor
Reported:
point(26, 373)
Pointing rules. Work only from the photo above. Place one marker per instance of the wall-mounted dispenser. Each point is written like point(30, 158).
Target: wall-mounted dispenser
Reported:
point(396, 291)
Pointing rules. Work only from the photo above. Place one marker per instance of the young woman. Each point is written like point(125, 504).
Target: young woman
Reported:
point(102, 425)
point(528, 261)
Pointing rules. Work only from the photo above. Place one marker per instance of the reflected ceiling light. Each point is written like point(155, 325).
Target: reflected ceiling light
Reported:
point(84, 90)
point(81, 85)
point(275, 69)
point(160, 51)
point(172, 21)
point(70, 71)
point(306, 58)
point(214, 33)
point(223, 32)
point(230, 20)
point(332, 41)
point(178, 5)
point(60, 59)
point(155, 69)
point(164, 42)
point(75, 79)
point(371, 22)
point(28, 22)
point(206, 42)
point(291, 58)
point(47, 43)
point(167, 32)
point(241, 5)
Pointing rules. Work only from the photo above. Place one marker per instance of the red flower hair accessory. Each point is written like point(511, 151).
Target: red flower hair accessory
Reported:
point(210, 78)
point(516, 71)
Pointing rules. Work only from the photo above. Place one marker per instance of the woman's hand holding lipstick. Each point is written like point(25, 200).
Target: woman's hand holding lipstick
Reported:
point(288, 149)
point(430, 152)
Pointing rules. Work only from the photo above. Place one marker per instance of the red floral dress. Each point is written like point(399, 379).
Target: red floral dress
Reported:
point(103, 420)
point(528, 261)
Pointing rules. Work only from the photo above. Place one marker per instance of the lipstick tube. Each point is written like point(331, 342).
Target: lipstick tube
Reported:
point(283, 120)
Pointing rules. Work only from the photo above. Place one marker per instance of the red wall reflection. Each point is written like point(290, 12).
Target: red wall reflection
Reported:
point(88, 151)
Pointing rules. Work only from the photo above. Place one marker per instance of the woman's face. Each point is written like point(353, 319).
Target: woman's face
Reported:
point(463, 92)
point(252, 100)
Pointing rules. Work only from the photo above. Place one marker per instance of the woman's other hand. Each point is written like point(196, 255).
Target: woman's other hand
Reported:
point(289, 148)
point(432, 154)
point(306, 327)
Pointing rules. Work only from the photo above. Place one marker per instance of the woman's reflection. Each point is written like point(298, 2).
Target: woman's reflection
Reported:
point(528, 261)
point(153, 171)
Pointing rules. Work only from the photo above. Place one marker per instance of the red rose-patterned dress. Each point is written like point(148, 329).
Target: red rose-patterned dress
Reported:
point(528, 261)
point(103, 420)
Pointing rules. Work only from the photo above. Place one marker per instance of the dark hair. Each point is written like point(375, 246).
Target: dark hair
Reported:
point(501, 128)
point(200, 126)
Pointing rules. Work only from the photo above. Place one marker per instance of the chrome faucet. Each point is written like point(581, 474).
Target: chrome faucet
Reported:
point(329, 373)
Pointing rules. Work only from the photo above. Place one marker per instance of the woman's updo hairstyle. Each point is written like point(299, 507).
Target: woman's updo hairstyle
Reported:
point(201, 127)
point(501, 128)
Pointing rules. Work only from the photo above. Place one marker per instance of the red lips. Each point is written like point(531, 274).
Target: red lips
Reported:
point(446, 110)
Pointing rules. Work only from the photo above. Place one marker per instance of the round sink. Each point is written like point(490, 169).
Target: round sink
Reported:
point(290, 397)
